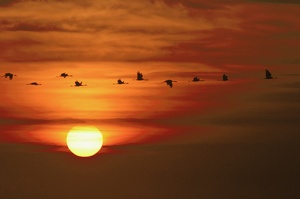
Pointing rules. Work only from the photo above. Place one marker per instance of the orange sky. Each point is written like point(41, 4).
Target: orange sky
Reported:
point(218, 34)
point(210, 139)
point(101, 41)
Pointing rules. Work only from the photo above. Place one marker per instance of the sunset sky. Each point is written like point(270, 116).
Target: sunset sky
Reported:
point(210, 139)
point(101, 41)
point(223, 34)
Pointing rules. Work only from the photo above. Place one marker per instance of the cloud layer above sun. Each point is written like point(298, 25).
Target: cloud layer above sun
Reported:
point(217, 33)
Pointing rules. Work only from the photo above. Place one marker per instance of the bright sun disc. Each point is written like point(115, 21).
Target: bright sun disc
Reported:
point(84, 141)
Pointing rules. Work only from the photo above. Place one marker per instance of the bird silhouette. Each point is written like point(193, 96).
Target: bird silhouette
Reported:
point(64, 75)
point(195, 79)
point(34, 84)
point(77, 83)
point(225, 77)
point(169, 82)
point(120, 82)
point(139, 76)
point(9, 75)
point(268, 74)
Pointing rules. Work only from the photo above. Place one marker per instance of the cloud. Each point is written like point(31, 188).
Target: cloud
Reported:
point(112, 30)
point(277, 1)
point(220, 33)
point(6, 2)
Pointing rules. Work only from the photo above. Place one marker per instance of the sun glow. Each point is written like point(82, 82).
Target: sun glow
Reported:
point(84, 141)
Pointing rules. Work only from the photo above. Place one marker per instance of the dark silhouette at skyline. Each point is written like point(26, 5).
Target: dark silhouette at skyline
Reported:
point(34, 84)
point(268, 74)
point(169, 82)
point(225, 77)
point(9, 75)
point(64, 75)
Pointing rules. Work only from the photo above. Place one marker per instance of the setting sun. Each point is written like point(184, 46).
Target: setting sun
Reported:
point(84, 141)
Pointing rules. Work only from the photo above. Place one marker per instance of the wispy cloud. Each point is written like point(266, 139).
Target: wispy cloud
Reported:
point(277, 1)
point(220, 33)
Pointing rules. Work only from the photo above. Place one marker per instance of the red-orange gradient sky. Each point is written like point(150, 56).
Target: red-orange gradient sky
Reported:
point(100, 41)
point(237, 139)
point(247, 33)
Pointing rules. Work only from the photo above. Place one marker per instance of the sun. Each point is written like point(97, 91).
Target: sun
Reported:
point(84, 141)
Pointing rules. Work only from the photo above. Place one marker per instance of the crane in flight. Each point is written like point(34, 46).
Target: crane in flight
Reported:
point(225, 77)
point(9, 75)
point(77, 83)
point(121, 82)
point(169, 82)
point(34, 84)
point(268, 74)
point(64, 75)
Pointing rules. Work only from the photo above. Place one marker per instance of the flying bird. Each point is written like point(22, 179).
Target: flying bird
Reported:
point(268, 74)
point(139, 76)
point(34, 84)
point(64, 75)
point(121, 82)
point(77, 83)
point(225, 77)
point(196, 79)
point(169, 82)
point(9, 75)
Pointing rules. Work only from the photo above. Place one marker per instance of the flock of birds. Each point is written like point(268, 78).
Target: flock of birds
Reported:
point(169, 82)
